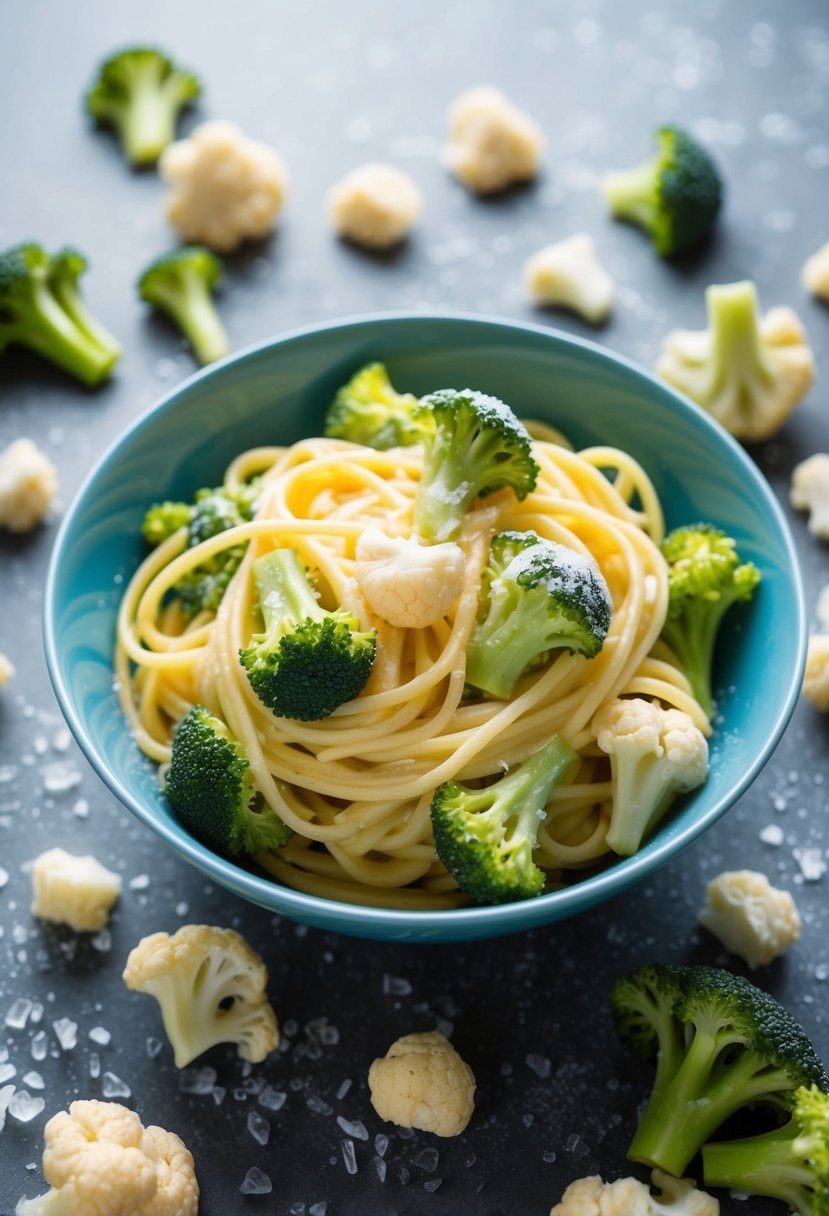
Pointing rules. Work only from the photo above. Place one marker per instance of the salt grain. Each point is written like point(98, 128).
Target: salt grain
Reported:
point(153, 1047)
point(297, 1209)
point(259, 1127)
point(80, 809)
point(355, 1128)
point(60, 776)
point(432, 1184)
point(272, 1099)
point(380, 1167)
point(394, 985)
point(94, 1064)
point(256, 1182)
point(18, 1013)
point(101, 941)
point(318, 1209)
point(343, 1090)
point(316, 1104)
point(812, 864)
point(7, 1071)
point(5, 1097)
point(349, 1156)
point(114, 1087)
point(66, 1032)
point(427, 1159)
point(139, 883)
point(381, 1144)
point(34, 1080)
point(24, 1107)
point(39, 1046)
point(197, 1080)
point(100, 1035)
point(772, 834)
point(540, 1065)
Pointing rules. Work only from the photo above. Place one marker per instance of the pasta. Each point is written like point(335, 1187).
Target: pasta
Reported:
point(356, 786)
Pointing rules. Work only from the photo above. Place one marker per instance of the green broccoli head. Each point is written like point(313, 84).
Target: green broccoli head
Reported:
point(536, 596)
point(41, 308)
point(163, 519)
point(215, 511)
point(140, 92)
point(367, 410)
point(210, 788)
point(789, 1163)
point(705, 577)
point(643, 1004)
point(476, 446)
point(675, 197)
point(732, 1046)
point(180, 284)
point(486, 837)
point(308, 661)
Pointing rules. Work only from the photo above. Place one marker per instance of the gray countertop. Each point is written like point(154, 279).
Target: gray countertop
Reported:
point(331, 86)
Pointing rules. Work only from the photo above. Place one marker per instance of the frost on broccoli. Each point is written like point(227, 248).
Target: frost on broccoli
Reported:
point(307, 661)
point(140, 92)
point(675, 197)
point(721, 1045)
point(789, 1163)
point(486, 837)
point(41, 308)
point(705, 577)
point(180, 284)
point(476, 447)
point(210, 788)
point(369, 411)
point(536, 596)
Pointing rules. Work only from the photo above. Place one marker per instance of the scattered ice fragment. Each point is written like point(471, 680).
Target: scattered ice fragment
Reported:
point(349, 1156)
point(811, 862)
point(427, 1159)
point(94, 1064)
point(396, 985)
point(7, 1071)
point(102, 941)
point(80, 808)
point(272, 1098)
point(381, 1144)
point(540, 1065)
point(197, 1080)
point(60, 776)
point(153, 1047)
point(259, 1127)
point(66, 1032)
point(5, 1097)
point(114, 1087)
point(256, 1182)
point(432, 1184)
point(318, 1209)
point(100, 1035)
point(34, 1080)
point(772, 834)
point(355, 1127)
point(39, 1046)
point(380, 1166)
point(4, 877)
point(18, 1013)
point(24, 1107)
point(139, 883)
point(344, 1088)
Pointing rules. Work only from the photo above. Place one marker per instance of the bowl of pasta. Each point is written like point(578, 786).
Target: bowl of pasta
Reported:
point(425, 627)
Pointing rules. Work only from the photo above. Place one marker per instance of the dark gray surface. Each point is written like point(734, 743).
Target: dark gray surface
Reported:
point(330, 87)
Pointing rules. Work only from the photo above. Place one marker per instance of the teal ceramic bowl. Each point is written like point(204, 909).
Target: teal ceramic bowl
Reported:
point(277, 393)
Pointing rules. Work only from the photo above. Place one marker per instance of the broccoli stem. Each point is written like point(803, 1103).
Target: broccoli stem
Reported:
point(284, 591)
point(148, 122)
point(736, 346)
point(762, 1165)
point(56, 335)
point(631, 194)
point(692, 640)
point(191, 306)
point(67, 295)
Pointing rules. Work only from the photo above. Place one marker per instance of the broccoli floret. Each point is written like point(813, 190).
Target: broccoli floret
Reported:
point(210, 788)
point(163, 519)
point(370, 412)
point(536, 595)
point(41, 308)
point(476, 446)
point(790, 1163)
point(308, 661)
point(733, 1046)
point(705, 577)
point(675, 197)
point(215, 511)
point(180, 284)
point(486, 837)
point(140, 92)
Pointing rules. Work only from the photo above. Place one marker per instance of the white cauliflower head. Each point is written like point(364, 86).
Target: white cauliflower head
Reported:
point(405, 583)
point(748, 372)
point(374, 205)
point(28, 485)
point(815, 275)
point(211, 989)
point(816, 675)
point(6, 670)
point(750, 916)
point(72, 890)
point(101, 1161)
point(422, 1082)
point(628, 1197)
point(492, 144)
point(809, 491)
point(226, 188)
point(568, 274)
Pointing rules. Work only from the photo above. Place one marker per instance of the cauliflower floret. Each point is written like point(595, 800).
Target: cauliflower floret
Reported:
point(816, 675)
point(28, 484)
point(72, 890)
point(492, 144)
point(655, 754)
point(750, 916)
point(6, 670)
point(211, 989)
point(101, 1161)
point(815, 275)
point(405, 583)
point(569, 275)
point(375, 205)
point(809, 491)
point(627, 1197)
point(422, 1082)
point(226, 188)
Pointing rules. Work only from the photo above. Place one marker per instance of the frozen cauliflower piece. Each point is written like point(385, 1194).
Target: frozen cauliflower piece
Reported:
point(405, 583)
point(422, 1082)
point(375, 205)
point(28, 484)
point(226, 188)
point(569, 275)
point(627, 1197)
point(211, 989)
point(809, 491)
point(815, 275)
point(100, 1160)
point(492, 144)
point(6, 670)
point(816, 676)
point(750, 916)
point(72, 890)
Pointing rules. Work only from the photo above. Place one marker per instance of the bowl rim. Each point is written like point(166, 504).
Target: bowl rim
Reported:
point(478, 919)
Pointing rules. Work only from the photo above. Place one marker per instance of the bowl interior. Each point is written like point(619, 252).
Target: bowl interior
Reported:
point(277, 393)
